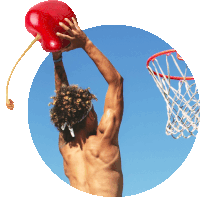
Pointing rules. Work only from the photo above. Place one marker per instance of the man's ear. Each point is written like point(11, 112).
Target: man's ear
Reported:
point(91, 115)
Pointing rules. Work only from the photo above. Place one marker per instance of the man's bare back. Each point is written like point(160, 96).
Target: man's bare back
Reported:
point(92, 159)
point(96, 168)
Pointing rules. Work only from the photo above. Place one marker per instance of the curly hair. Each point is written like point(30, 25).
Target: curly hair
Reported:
point(69, 105)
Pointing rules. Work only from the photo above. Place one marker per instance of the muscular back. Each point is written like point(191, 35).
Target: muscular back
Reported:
point(96, 168)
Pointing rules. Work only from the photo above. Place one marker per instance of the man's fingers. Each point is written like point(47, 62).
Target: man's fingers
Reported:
point(75, 23)
point(74, 20)
point(70, 23)
point(66, 28)
point(64, 36)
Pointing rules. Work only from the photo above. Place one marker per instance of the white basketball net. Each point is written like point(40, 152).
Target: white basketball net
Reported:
point(183, 114)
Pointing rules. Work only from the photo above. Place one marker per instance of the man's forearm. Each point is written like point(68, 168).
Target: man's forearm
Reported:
point(103, 64)
point(60, 74)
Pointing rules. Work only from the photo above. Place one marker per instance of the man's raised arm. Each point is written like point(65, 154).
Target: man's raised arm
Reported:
point(110, 74)
point(78, 39)
point(59, 71)
point(113, 108)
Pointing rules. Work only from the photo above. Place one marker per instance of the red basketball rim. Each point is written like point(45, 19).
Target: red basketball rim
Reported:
point(167, 52)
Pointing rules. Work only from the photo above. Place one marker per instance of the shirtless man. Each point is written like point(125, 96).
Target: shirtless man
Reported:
point(91, 158)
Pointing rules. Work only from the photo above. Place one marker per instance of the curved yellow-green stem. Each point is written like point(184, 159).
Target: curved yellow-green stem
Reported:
point(33, 42)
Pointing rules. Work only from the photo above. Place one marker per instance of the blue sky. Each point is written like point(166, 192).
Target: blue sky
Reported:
point(149, 156)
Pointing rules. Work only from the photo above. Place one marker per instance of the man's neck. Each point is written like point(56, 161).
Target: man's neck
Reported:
point(82, 136)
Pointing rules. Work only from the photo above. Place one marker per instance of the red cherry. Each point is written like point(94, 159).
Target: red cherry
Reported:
point(44, 18)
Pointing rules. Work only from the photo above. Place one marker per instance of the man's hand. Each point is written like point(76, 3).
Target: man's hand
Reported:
point(76, 36)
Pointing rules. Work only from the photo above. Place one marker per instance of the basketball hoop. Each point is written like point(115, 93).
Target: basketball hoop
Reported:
point(183, 107)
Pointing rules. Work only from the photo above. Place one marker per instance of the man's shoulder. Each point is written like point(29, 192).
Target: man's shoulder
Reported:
point(61, 141)
point(106, 121)
point(108, 129)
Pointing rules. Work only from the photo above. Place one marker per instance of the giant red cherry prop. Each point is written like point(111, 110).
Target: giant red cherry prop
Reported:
point(42, 21)
point(44, 18)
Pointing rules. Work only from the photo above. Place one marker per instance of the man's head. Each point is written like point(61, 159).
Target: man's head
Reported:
point(70, 105)
point(91, 122)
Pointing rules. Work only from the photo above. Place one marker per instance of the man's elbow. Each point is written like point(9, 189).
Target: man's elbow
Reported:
point(117, 80)
point(120, 80)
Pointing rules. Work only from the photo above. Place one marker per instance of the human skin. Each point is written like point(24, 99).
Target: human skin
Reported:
point(92, 162)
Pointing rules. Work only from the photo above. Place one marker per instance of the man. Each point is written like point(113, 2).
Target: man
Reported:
point(90, 151)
